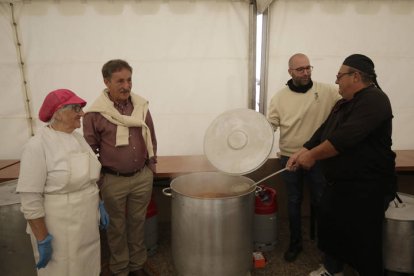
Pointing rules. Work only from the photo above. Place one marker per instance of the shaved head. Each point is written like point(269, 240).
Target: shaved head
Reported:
point(300, 69)
point(293, 59)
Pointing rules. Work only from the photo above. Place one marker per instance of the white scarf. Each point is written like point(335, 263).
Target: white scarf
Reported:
point(106, 107)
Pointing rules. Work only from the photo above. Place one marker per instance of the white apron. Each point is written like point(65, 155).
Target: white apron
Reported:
point(72, 218)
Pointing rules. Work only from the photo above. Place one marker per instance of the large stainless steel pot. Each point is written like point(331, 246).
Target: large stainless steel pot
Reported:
point(15, 247)
point(211, 224)
point(399, 236)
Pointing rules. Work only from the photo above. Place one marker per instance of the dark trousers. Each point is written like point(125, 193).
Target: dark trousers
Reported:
point(294, 184)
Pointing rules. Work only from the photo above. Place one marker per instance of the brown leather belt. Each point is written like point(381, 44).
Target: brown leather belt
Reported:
point(109, 171)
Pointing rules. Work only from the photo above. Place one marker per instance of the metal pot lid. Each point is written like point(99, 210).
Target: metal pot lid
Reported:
point(401, 211)
point(238, 141)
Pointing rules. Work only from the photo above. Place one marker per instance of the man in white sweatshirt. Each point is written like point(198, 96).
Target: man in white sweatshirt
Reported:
point(298, 110)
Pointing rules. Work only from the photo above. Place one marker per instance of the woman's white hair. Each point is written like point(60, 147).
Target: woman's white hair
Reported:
point(53, 119)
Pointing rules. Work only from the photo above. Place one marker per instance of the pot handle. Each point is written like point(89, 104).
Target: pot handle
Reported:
point(167, 191)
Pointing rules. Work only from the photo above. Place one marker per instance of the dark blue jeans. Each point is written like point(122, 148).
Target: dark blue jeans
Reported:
point(333, 265)
point(294, 185)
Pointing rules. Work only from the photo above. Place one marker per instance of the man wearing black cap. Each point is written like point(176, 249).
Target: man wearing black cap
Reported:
point(354, 147)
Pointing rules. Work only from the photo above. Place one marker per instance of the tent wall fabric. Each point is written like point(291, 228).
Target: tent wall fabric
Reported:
point(190, 60)
point(329, 31)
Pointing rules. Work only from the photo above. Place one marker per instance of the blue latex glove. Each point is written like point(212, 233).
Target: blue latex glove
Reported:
point(45, 251)
point(104, 222)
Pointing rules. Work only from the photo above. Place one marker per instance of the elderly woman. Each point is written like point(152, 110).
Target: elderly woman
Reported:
point(59, 195)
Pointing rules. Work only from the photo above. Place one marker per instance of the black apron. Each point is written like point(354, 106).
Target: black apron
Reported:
point(350, 219)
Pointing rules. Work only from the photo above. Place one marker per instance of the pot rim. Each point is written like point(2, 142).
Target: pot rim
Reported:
point(211, 175)
point(248, 192)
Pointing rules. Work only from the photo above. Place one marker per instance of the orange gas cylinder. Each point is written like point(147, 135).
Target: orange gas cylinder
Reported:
point(152, 208)
point(266, 202)
point(151, 227)
point(265, 219)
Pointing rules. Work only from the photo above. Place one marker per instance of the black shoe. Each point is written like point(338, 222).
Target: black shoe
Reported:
point(292, 253)
point(140, 272)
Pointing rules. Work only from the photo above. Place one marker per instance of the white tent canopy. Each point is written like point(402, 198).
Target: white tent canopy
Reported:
point(329, 31)
point(192, 59)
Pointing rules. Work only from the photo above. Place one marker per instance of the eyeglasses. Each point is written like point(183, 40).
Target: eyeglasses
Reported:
point(302, 69)
point(75, 107)
point(340, 75)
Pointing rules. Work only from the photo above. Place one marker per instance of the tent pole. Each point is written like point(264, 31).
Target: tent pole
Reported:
point(22, 70)
point(252, 55)
point(264, 62)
